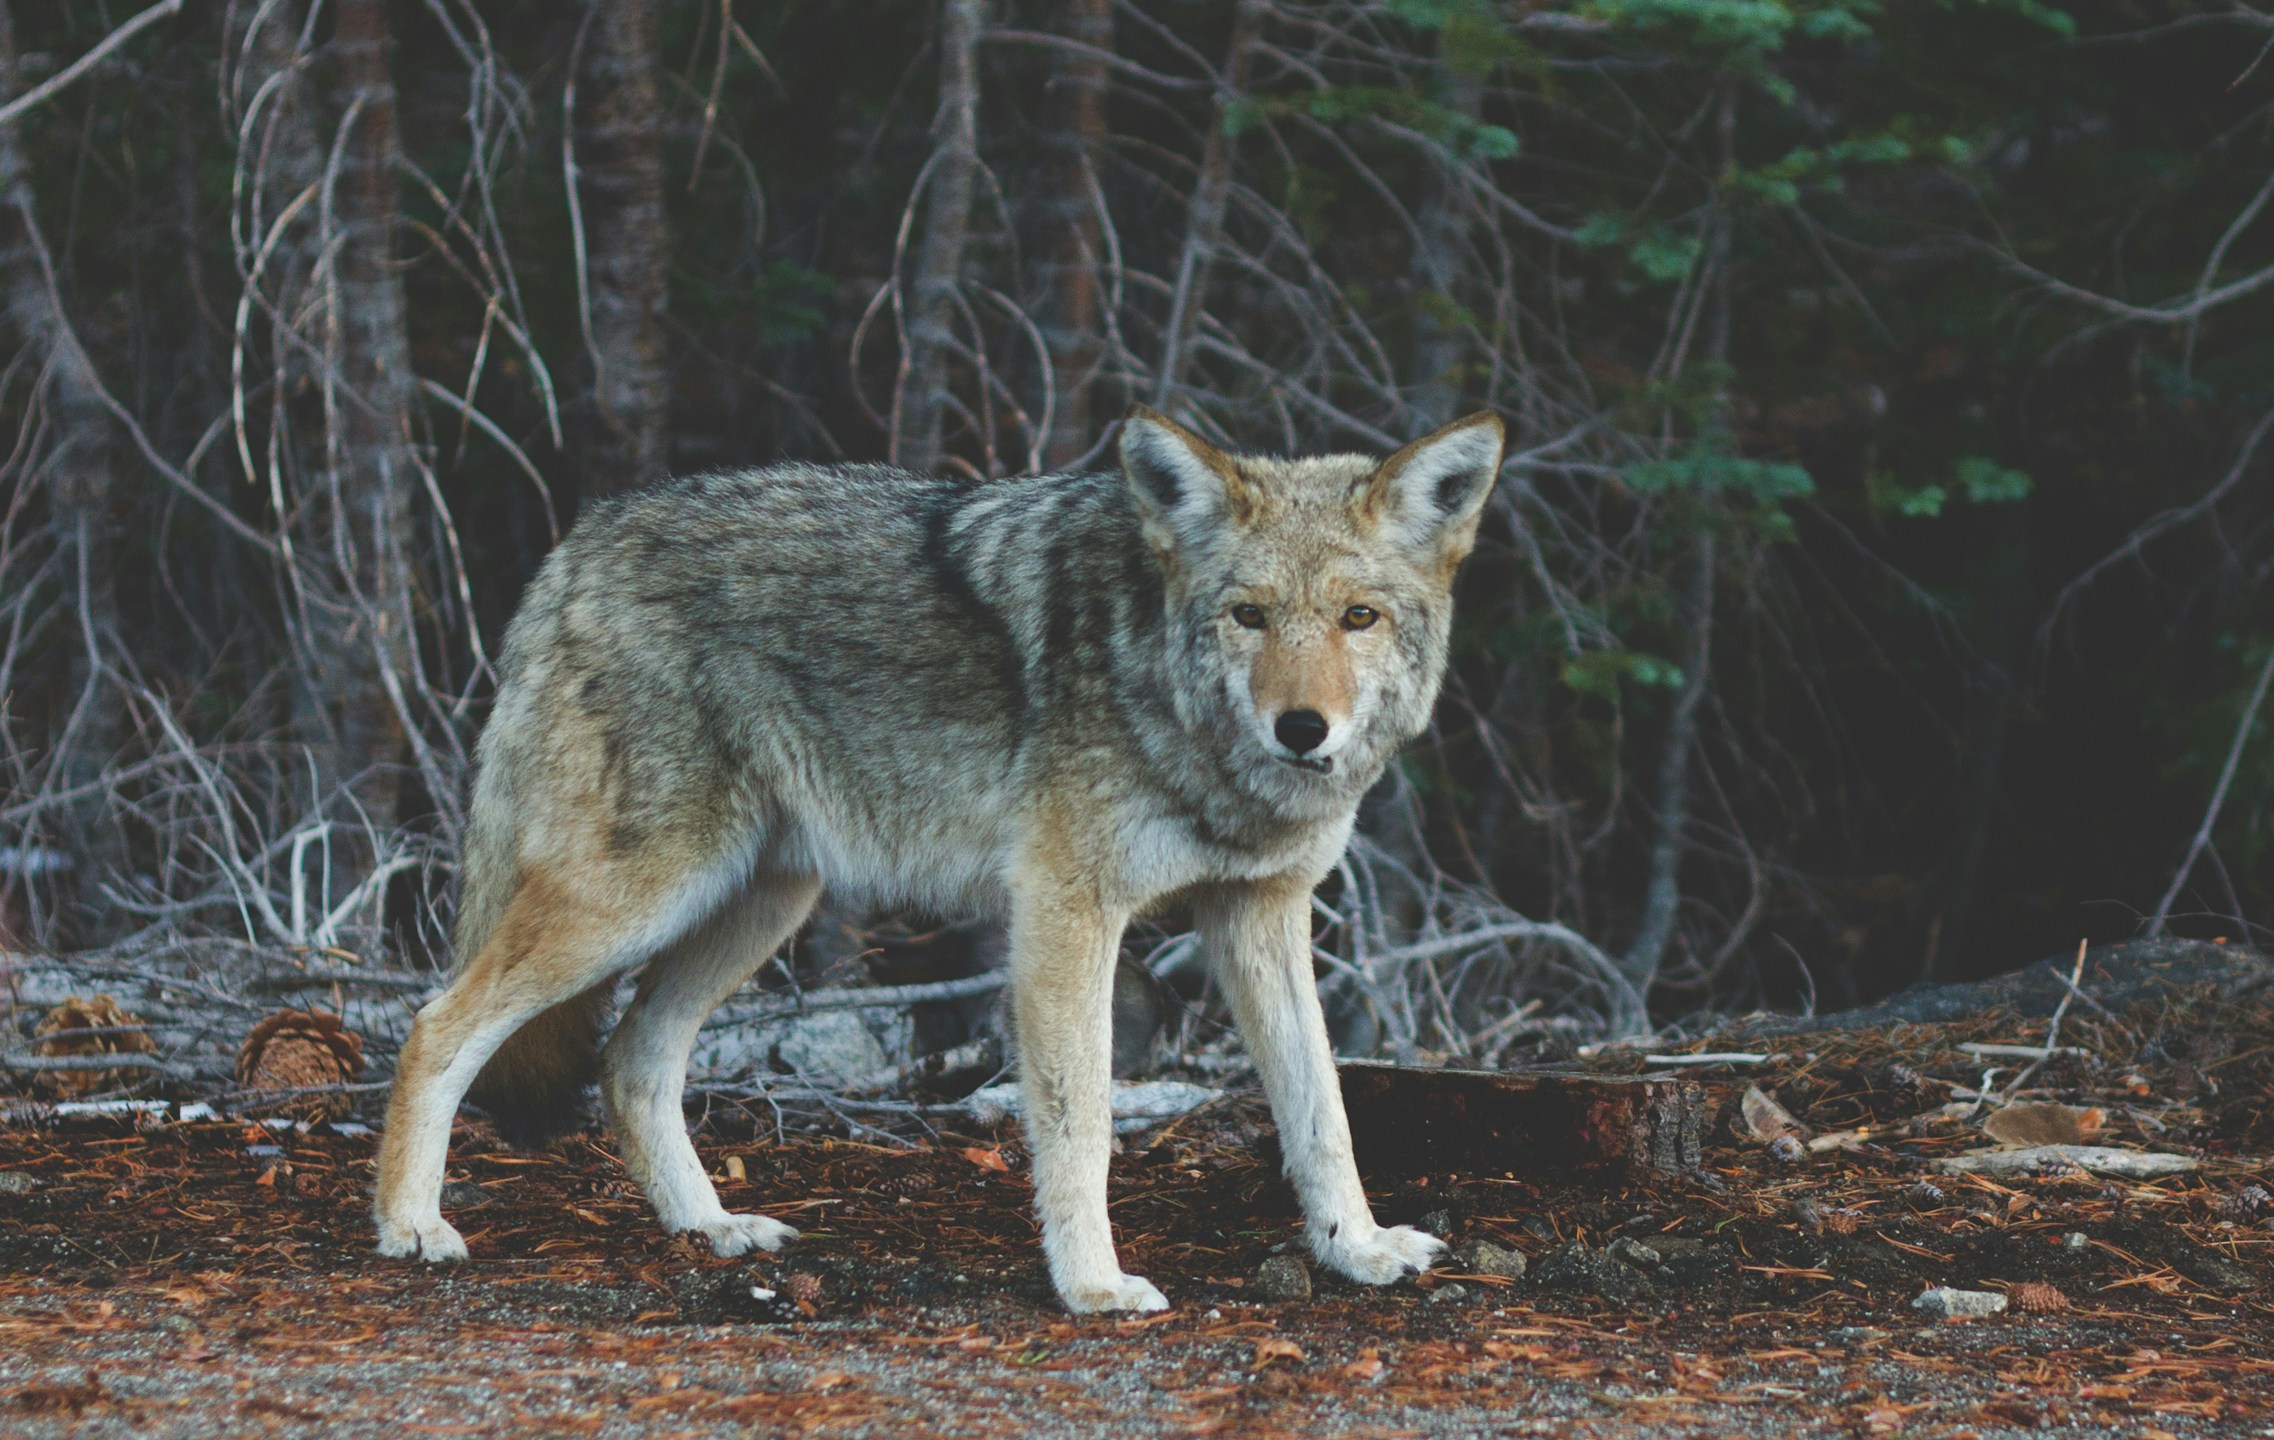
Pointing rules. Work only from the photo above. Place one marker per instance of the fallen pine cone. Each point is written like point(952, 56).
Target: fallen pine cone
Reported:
point(66, 1030)
point(2036, 1297)
point(299, 1049)
point(803, 1287)
point(2242, 1205)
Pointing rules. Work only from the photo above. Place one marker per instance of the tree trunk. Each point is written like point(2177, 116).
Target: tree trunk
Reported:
point(1438, 262)
point(82, 490)
point(919, 402)
point(628, 243)
point(1076, 238)
point(1204, 217)
point(359, 522)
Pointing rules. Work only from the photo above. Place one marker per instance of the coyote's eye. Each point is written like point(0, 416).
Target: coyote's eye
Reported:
point(1250, 616)
point(1358, 617)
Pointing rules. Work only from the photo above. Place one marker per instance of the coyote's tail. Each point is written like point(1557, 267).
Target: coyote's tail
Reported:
point(533, 1087)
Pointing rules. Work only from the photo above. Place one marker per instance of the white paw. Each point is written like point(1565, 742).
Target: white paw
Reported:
point(431, 1239)
point(1378, 1255)
point(1122, 1292)
point(740, 1234)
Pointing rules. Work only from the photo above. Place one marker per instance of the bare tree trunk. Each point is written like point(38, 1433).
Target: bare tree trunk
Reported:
point(361, 521)
point(82, 490)
point(620, 166)
point(1662, 895)
point(1204, 217)
point(919, 402)
point(1443, 222)
point(1070, 209)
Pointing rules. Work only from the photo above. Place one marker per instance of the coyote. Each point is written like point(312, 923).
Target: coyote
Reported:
point(1063, 700)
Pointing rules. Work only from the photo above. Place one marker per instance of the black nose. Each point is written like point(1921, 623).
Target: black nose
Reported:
point(1301, 731)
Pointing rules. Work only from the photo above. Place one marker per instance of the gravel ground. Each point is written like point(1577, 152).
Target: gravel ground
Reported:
point(214, 1279)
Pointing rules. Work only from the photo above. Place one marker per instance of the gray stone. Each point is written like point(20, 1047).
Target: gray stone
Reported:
point(1482, 1257)
point(2076, 1241)
point(1629, 1251)
point(1449, 1292)
point(1282, 1277)
point(18, 1182)
point(1437, 1222)
point(1945, 1303)
point(464, 1195)
point(1575, 1269)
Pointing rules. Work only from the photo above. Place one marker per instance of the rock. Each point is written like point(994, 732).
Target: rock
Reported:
point(1482, 1257)
point(1944, 1303)
point(1629, 1251)
point(1575, 1269)
point(829, 1047)
point(1437, 1222)
point(2075, 1242)
point(1448, 1292)
point(464, 1195)
point(1281, 1278)
point(18, 1182)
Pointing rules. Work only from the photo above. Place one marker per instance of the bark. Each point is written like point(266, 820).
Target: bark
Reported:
point(920, 400)
point(628, 239)
point(359, 518)
point(82, 489)
point(1204, 218)
point(1076, 240)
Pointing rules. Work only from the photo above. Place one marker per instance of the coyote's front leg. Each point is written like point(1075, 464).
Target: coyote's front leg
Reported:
point(1259, 937)
point(1063, 944)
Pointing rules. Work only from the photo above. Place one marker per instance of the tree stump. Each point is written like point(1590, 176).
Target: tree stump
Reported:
point(1536, 1123)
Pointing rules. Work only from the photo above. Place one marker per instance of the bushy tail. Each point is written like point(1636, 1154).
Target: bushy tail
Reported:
point(533, 1087)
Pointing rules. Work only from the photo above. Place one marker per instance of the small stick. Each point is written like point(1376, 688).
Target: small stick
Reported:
point(1710, 1057)
point(2053, 1030)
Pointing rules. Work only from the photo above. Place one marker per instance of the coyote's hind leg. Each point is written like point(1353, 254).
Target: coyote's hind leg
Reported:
point(643, 1069)
point(553, 942)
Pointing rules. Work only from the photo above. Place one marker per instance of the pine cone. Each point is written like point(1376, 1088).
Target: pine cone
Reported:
point(2241, 1205)
point(1906, 1090)
point(63, 1026)
point(2036, 1297)
point(293, 1049)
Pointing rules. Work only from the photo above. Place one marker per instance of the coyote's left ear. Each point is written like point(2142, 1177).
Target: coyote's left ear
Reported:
point(1433, 490)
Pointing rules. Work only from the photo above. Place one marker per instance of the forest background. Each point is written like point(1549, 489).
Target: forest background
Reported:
point(1876, 592)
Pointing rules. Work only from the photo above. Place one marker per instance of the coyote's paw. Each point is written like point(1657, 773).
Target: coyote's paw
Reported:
point(1122, 1292)
point(1381, 1255)
point(431, 1239)
point(741, 1234)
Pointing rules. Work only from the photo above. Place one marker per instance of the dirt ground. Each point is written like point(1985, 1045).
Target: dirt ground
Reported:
point(214, 1278)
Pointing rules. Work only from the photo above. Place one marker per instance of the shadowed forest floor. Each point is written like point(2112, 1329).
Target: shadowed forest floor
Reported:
point(215, 1278)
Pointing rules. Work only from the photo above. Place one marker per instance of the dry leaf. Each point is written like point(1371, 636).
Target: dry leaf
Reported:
point(1272, 1347)
point(986, 1158)
point(2045, 1124)
point(1763, 1121)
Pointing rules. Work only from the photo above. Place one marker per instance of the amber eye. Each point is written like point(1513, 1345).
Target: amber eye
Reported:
point(1358, 617)
point(1250, 616)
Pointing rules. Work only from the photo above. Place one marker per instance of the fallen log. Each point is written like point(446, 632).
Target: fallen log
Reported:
point(1527, 1122)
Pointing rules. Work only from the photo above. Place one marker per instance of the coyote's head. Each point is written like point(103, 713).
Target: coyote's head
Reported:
point(1310, 599)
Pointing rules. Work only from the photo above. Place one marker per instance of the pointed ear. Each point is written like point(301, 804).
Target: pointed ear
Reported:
point(1433, 490)
point(1185, 487)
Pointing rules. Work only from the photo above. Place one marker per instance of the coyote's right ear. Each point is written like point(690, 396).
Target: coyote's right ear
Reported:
point(1186, 488)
